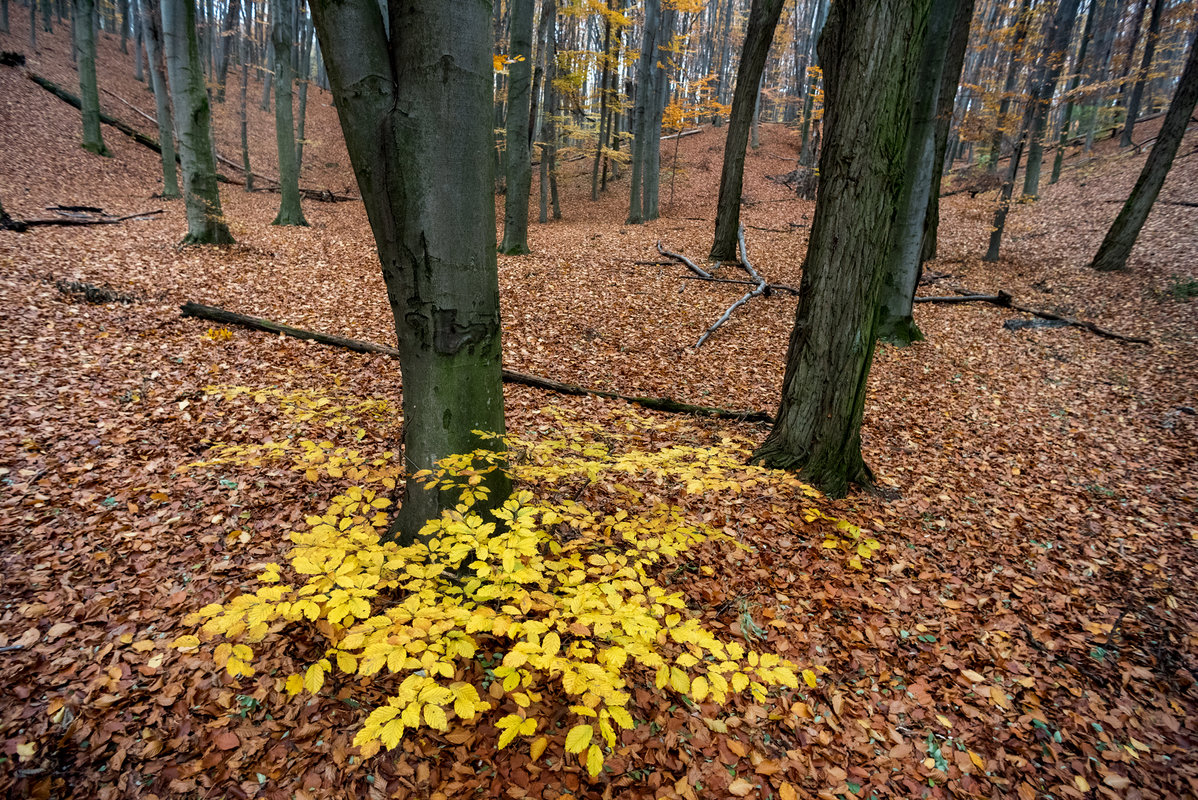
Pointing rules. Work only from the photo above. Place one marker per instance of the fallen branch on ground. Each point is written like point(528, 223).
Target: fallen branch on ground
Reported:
point(1005, 300)
point(666, 404)
point(682, 134)
point(760, 288)
point(769, 287)
point(77, 220)
point(681, 259)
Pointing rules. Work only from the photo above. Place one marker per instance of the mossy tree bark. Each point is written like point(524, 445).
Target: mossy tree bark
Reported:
point(1116, 246)
point(151, 21)
point(189, 95)
point(282, 35)
point(429, 198)
point(518, 161)
point(870, 51)
point(89, 93)
point(896, 324)
point(763, 19)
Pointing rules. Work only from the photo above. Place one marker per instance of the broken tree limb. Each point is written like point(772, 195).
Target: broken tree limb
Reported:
point(667, 404)
point(680, 134)
point(681, 259)
point(758, 290)
point(83, 220)
point(1006, 300)
point(770, 287)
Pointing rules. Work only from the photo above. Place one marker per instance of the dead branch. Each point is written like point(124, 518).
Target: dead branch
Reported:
point(666, 404)
point(1001, 299)
point(760, 288)
point(681, 259)
point(82, 220)
point(682, 134)
point(770, 287)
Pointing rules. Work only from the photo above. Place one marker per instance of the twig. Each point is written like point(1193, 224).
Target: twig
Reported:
point(760, 289)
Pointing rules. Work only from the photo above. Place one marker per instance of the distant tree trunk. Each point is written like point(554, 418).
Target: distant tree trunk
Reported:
point(1023, 16)
point(282, 36)
point(89, 94)
point(548, 51)
point(759, 34)
point(245, 81)
point(205, 220)
point(434, 227)
point(806, 150)
point(519, 159)
point(1043, 88)
point(151, 32)
point(225, 47)
point(123, 5)
point(1137, 92)
point(48, 16)
point(954, 63)
point(33, 24)
point(4, 16)
point(651, 98)
point(651, 174)
point(901, 272)
point(604, 90)
point(870, 53)
point(717, 119)
point(268, 77)
point(1100, 56)
point(138, 44)
point(305, 77)
point(1117, 245)
point(1067, 115)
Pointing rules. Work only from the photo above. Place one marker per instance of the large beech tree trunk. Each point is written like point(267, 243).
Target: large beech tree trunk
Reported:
point(763, 19)
point(429, 198)
point(189, 95)
point(151, 21)
point(518, 161)
point(870, 52)
point(89, 94)
point(282, 36)
point(1119, 240)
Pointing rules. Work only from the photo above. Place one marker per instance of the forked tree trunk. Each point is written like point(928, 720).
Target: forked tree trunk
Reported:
point(434, 227)
point(895, 322)
point(763, 19)
point(518, 160)
point(151, 27)
point(1116, 246)
point(205, 219)
point(869, 52)
point(89, 94)
point(282, 36)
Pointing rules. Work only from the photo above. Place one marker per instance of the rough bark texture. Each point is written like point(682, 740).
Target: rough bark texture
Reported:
point(1044, 86)
point(1116, 246)
point(89, 93)
point(954, 63)
point(429, 200)
point(282, 38)
point(869, 51)
point(763, 19)
point(518, 161)
point(205, 220)
point(1137, 92)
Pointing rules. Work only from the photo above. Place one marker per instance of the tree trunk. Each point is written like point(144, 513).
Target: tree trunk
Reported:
point(151, 27)
point(267, 79)
point(651, 173)
point(1067, 115)
point(1137, 92)
point(640, 128)
point(205, 220)
point(604, 90)
point(434, 227)
point(33, 24)
point(138, 45)
point(1023, 16)
point(123, 7)
point(719, 92)
point(1100, 56)
point(225, 48)
point(869, 54)
point(89, 94)
point(305, 77)
point(1116, 246)
point(282, 36)
point(806, 151)
point(763, 19)
point(895, 323)
point(548, 53)
point(954, 63)
point(1045, 83)
point(518, 160)
point(245, 80)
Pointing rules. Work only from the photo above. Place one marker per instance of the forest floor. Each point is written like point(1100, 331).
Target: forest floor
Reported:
point(1028, 628)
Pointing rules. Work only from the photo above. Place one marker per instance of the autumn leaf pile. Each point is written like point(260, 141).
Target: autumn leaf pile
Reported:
point(1014, 615)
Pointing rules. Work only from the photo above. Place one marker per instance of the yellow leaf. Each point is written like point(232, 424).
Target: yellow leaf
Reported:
point(507, 736)
point(347, 663)
point(699, 689)
point(1081, 783)
point(26, 750)
point(999, 697)
point(295, 684)
point(594, 760)
point(679, 680)
point(186, 643)
point(579, 738)
point(977, 760)
point(740, 787)
point(314, 678)
point(787, 792)
point(551, 644)
point(529, 726)
point(537, 747)
point(808, 677)
point(973, 677)
point(621, 716)
point(435, 717)
point(945, 721)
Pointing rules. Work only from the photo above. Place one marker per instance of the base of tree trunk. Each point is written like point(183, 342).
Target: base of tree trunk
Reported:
point(219, 236)
point(899, 332)
point(831, 477)
point(290, 219)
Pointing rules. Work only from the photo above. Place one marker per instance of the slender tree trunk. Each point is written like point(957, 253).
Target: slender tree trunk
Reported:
point(870, 53)
point(717, 119)
point(434, 227)
point(1047, 73)
point(651, 174)
point(806, 151)
point(225, 47)
point(954, 62)
point(305, 79)
point(1137, 92)
point(1121, 238)
point(755, 127)
point(282, 37)
point(604, 82)
point(123, 6)
point(138, 42)
point(548, 46)
point(1100, 56)
point(151, 33)
point(4, 16)
point(268, 77)
point(901, 273)
point(519, 159)
point(763, 19)
point(89, 94)
point(641, 115)
point(1067, 115)
point(1009, 84)
point(33, 24)
point(245, 81)
point(205, 219)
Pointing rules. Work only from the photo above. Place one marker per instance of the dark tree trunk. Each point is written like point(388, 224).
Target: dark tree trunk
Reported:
point(305, 76)
point(870, 53)
point(651, 96)
point(806, 150)
point(1023, 16)
point(282, 37)
point(228, 29)
point(518, 160)
point(1067, 115)
point(1137, 92)
point(89, 93)
point(763, 19)
point(434, 227)
point(1044, 86)
point(1116, 246)
point(245, 82)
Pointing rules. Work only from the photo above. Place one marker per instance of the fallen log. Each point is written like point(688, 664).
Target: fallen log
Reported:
point(681, 259)
point(681, 134)
point(667, 404)
point(759, 289)
point(80, 220)
point(770, 287)
point(1006, 300)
